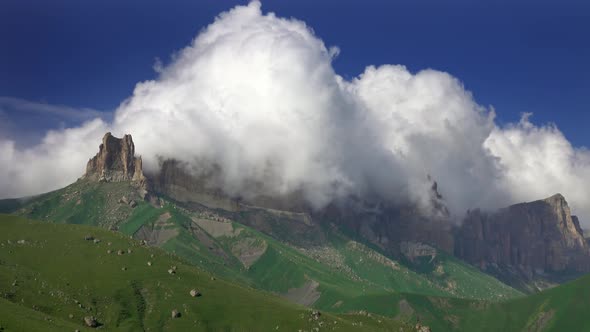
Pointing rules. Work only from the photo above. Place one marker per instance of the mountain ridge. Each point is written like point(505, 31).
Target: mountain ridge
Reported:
point(508, 243)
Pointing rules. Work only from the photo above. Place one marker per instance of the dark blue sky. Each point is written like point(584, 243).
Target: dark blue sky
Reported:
point(519, 56)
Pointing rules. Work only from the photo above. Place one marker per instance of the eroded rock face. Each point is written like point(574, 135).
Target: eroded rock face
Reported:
point(115, 161)
point(536, 237)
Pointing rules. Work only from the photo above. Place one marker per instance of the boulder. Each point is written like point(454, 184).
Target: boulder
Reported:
point(422, 328)
point(195, 293)
point(175, 313)
point(90, 321)
point(315, 314)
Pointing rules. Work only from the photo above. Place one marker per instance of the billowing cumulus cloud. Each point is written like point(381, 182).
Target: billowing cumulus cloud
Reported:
point(536, 161)
point(255, 96)
point(57, 161)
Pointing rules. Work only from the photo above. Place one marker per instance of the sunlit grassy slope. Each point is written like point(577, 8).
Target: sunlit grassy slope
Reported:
point(346, 275)
point(51, 277)
point(351, 276)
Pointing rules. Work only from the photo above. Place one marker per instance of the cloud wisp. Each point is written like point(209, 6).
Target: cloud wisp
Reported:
point(256, 96)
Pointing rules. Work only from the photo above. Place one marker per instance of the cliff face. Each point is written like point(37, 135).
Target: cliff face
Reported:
point(115, 161)
point(382, 224)
point(535, 238)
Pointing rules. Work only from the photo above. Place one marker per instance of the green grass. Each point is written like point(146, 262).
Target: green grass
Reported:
point(368, 281)
point(82, 202)
point(569, 304)
point(43, 279)
point(142, 214)
point(55, 267)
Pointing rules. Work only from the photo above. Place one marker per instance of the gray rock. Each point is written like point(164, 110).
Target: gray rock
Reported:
point(540, 236)
point(90, 321)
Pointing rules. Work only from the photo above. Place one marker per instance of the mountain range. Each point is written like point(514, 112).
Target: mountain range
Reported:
point(358, 260)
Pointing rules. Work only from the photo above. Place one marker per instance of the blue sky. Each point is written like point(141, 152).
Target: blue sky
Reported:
point(519, 56)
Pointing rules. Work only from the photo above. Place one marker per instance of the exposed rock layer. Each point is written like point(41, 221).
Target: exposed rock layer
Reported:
point(115, 161)
point(536, 238)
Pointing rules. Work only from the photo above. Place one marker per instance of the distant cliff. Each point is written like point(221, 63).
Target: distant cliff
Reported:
point(536, 238)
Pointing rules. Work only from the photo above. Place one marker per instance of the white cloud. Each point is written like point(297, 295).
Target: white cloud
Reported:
point(433, 126)
point(257, 95)
point(57, 161)
point(537, 161)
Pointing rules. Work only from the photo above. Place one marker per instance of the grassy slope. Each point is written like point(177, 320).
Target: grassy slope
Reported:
point(567, 305)
point(454, 277)
point(42, 280)
point(370, 285)
point(56, 267)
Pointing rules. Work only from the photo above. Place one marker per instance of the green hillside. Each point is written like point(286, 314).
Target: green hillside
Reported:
point(337, 274)
point(563, 308)
point(344, 278)
point(51, 277)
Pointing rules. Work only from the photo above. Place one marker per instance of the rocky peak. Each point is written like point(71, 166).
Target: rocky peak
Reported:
point(540, 236)
point(115, 161)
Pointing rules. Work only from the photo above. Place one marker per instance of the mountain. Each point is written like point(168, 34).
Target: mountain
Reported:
point(530, 246)
point(313, 258)
point(383, 224)
point(356, 255)
point(125, 285)
point(533, 241)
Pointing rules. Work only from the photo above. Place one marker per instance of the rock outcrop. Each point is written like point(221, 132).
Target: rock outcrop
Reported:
point(115, 161)
point(533, 238)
